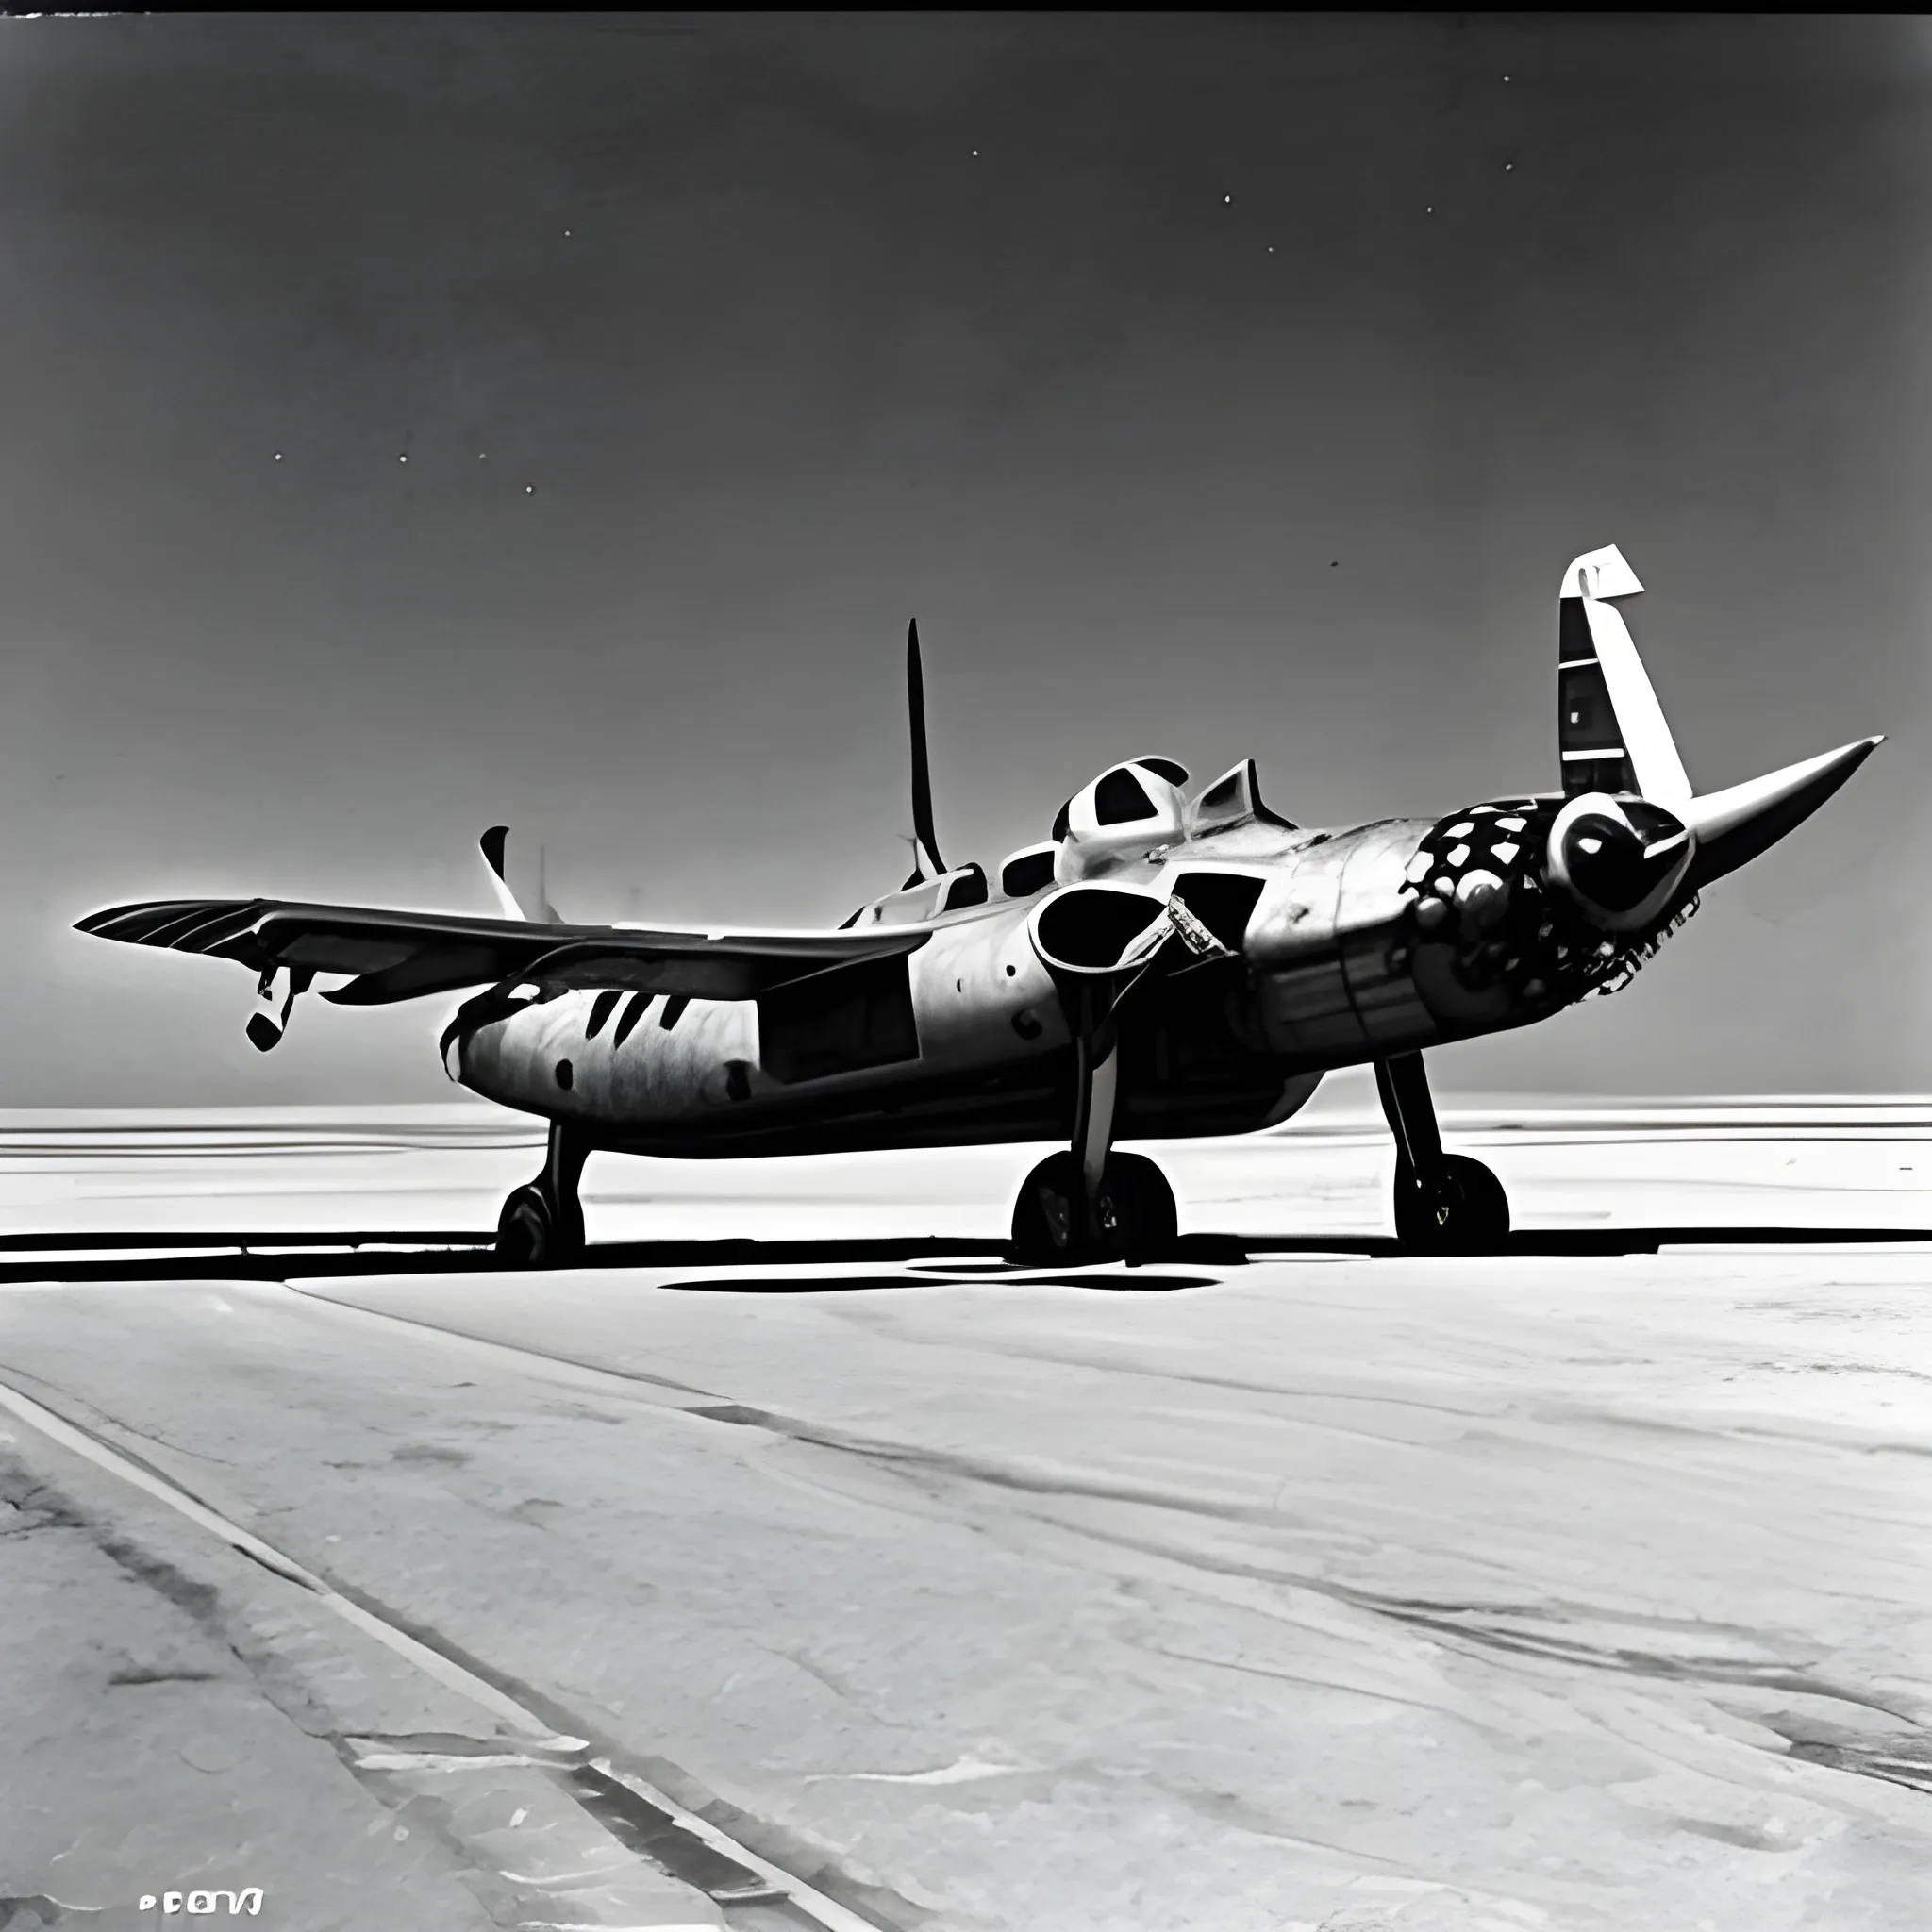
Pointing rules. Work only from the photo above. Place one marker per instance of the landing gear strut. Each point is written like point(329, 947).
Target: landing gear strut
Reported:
point(1086, 1202)
point(1445, 1204)
point(541, 1225)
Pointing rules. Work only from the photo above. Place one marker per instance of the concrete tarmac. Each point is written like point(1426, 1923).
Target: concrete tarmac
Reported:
point(1541, 1590)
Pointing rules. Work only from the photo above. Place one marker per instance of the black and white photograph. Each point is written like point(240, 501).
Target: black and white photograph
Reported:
point(966, 972)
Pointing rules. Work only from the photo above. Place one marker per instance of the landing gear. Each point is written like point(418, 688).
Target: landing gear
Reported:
point(1445, 1204)
point(1088, 1203)
point(1134, 1219)
point(543, 1223)
point(1466, 1213)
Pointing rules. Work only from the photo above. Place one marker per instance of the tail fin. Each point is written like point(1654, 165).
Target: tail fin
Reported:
point(1613, 736)
point(525, 899)
point(926, 862)
point(1611, 728)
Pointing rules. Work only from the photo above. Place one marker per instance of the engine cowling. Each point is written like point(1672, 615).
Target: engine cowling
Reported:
point(1098, 928)
point(1620, 861)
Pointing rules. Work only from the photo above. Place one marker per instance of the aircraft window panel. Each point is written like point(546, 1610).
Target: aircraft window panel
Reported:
point(1060, 820)
point(1025, 874)
point(1120, 799)
point(1165, 768)
point(601, 1010)
point(967, 888)
point(674, 1011)
point(1234, 797)
point(841, 1021)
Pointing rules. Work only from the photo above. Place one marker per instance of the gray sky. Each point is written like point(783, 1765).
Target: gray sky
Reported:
point(1210, 386)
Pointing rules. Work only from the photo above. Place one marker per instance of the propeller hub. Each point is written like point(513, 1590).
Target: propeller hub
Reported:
point(1620, 860)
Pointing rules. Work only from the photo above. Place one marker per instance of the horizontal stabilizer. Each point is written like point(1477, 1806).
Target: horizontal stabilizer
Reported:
point(1733, 826)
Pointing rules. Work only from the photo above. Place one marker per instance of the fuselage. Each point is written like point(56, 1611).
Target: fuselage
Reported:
point(1344, 946)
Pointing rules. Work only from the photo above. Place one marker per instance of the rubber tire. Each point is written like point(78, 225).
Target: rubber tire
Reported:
point(1477, 1217)
point(1043, 1230)
point(528, 1234)
point(1143, 1210)
point(1137, 1217)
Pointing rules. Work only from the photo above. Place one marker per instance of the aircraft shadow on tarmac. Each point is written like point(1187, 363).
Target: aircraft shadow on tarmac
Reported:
point(299, 1256)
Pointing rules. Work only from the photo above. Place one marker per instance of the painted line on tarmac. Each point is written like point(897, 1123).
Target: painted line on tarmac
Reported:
point(671, 1819)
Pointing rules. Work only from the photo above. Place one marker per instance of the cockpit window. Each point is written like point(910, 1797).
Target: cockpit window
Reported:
point(1165, 768)
point(1120, 798)
point(1060, 821)
point(1218, 797)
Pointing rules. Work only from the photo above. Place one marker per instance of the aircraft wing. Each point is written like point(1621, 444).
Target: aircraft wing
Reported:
point(406, 956)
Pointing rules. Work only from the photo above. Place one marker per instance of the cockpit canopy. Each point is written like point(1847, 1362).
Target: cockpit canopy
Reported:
point(1131, 808)
point(1134, 807)
point(1142, 792)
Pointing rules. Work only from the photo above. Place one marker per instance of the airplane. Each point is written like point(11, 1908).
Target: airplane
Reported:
point(1161, 966)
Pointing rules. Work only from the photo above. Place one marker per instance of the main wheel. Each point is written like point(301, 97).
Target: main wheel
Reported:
point(1468, 1214)
point(530, 1234)
point(1137, 1213)
point(1136, 1195)
point(1046, 1215)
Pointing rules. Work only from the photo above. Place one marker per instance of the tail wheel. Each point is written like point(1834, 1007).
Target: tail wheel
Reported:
point(531, 1234)
point(1468, 1213)
point(1138, 1220)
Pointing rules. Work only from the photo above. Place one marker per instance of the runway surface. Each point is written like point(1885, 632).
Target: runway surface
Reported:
point(1559, 1589)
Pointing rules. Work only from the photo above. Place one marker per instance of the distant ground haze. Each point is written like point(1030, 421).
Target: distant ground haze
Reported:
point(419, 423)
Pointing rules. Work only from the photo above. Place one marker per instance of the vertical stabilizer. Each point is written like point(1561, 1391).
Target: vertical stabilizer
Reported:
point(520, 891)
point(927, 864)
point(1610, 729)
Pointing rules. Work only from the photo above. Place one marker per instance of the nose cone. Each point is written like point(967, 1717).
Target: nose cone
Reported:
point(1734, 826)
point(1620, 860)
